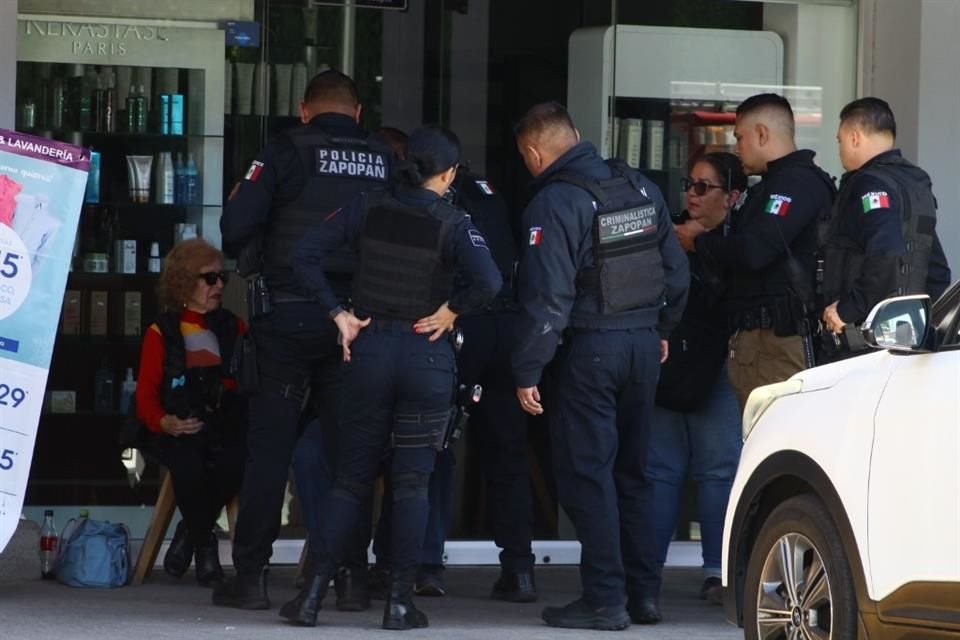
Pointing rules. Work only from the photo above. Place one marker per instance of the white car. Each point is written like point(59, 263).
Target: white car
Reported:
point(844, 518)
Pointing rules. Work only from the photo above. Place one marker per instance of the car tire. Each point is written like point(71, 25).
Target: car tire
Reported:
point(814, 589)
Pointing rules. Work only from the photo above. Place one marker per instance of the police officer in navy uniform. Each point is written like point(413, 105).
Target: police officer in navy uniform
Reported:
point(399, 373)
point(601, 268)
point(768, 260)
point(297, 181)
point(498, 422)
point(880, 239)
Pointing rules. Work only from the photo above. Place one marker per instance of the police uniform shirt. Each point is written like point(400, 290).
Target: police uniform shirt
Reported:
point(870, 216)
point(559, 244)
point(779, 211)
point(464, 248)
point(489, 212)
point(277, 177)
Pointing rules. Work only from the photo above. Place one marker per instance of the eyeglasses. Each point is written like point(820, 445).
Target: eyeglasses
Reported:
point(700, 187)
point(211, 277)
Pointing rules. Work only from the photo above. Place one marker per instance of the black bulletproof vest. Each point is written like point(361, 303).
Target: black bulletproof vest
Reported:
point(844, 257)
point(195, 391)
point(627, 271)
point(749, 289)
point(335, 171)
point(401, 274)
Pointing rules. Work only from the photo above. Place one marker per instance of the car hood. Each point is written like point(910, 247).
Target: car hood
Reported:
point(827, 375)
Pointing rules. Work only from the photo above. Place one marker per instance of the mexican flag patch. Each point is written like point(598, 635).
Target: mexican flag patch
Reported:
point(778, 205)
point(875, 200)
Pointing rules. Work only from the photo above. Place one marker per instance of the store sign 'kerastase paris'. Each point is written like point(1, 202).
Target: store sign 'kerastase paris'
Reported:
point(94, 39)
point(42, 183)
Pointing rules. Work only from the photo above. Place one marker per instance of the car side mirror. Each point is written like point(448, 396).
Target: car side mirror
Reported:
point(898, 324)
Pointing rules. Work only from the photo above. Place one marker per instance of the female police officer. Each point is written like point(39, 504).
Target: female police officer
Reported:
point(398, 378)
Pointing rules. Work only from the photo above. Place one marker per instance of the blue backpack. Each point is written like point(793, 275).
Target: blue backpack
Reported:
point(94, 553)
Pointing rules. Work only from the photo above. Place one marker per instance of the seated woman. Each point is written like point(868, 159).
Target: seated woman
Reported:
point(696, 425)
point(187, 397)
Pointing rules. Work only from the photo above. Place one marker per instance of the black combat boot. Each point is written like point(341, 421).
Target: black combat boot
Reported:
point(579, 615)
point(515, 586)
point(179, 553)
point(302, 610)
point(207, 565)
point(243, 591)
point(352, 587)
point(399, 613)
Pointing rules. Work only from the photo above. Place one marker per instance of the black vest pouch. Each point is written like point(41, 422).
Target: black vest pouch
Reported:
point(628, 255)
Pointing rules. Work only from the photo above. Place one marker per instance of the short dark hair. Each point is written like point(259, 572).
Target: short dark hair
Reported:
point(543, 117)
point(764, 101)
point(332, 86)
point(873, 115)
point(728, 168)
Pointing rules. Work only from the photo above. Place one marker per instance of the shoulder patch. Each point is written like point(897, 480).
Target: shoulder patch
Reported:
point(484, 186)
point(875, 200)
point(778, 205)
point(254, 171)
point(536, 233)
point(477, 239)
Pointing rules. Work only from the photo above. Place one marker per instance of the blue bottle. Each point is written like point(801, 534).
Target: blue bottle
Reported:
point(93, 179)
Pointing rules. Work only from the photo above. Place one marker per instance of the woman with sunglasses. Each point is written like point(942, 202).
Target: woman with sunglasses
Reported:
point(187, 398)
point(696, 426)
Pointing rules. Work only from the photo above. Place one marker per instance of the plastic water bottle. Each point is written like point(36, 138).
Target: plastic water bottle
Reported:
point(48, 545)
point(192, 187)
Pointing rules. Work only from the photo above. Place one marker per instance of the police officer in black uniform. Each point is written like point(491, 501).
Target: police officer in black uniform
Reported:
point(297, 181)
point(399, 372)
point(602, 268)
point(880, 239)
point(498, 422)
point(767, 261)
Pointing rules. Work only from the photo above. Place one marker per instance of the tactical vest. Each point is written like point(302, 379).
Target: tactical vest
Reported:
point(627, 272)
point(335, 171)
point(844, 257)
point(195, 391)
point(777, 284)
point(401, 274)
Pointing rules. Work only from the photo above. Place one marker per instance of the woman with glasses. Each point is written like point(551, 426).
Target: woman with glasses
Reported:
point(186, 396)
point(696, 427)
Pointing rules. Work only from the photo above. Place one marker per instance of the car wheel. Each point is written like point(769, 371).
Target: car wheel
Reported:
point(798, 584)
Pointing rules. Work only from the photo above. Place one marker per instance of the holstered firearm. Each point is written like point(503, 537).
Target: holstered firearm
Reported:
point(460, 414)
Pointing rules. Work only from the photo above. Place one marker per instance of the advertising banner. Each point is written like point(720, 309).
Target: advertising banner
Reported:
point(42, 183)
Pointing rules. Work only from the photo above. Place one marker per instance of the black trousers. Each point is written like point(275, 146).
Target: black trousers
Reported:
point(296, 350)
point(397, 385)
point(206, 473)
point(501, 426)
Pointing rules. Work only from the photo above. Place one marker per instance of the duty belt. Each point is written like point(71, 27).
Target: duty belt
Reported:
point(750, 319)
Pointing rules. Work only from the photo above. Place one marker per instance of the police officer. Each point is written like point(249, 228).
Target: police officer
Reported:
point(399, 373)
point(602, 268)
point(767, 261)
point(498, 422)
point(297, 181)
point(880, 239)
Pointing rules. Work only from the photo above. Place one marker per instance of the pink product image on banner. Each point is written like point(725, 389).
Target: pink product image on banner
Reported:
point(9, 190)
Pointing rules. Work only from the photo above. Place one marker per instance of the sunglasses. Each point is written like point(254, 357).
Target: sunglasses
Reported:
point(211, 277)
point(700, 187)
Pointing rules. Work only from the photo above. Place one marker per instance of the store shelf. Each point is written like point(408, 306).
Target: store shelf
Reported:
point(130, 281)
point(120, 136)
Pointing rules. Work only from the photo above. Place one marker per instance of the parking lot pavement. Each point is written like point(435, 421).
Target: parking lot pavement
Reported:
point(164, 609)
